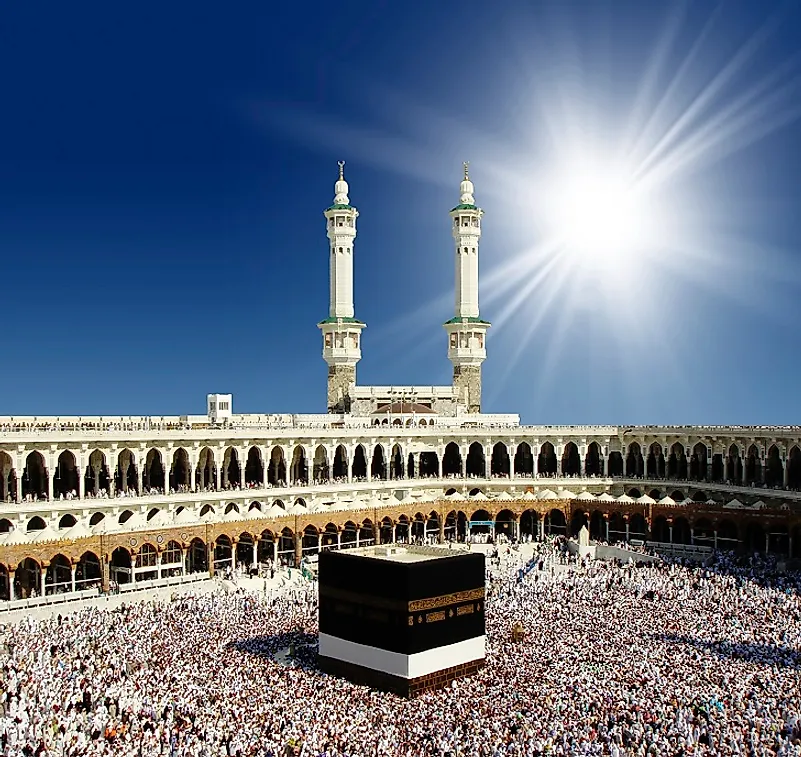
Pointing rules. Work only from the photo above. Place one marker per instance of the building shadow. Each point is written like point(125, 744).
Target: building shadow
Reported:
point(757, 653)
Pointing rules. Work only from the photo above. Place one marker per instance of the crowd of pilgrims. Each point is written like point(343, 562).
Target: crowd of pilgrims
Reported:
point(618, 659)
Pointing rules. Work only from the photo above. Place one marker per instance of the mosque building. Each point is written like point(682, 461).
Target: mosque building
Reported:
point(89, 502)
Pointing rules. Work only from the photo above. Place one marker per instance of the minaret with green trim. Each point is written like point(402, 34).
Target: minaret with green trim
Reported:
point(341, 331)
point(467, 333)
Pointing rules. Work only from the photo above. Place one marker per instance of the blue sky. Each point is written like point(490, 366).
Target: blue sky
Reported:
point(164, 167)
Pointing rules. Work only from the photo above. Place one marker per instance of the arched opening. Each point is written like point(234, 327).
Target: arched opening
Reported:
point(524, 460)
point(28, 579)
point(276, 469)
point(245, 553)
point(340, 467)
point(476, 463)
point(126, 476)
point(6, 525)
point(359, 464)
point(254, 469)
point(753, 466)
point(681, 531)
point(754, 538)
point(223, 554)
point(119, 567)
point(452, 461)
point(320, 469)
point(180, 471)
point(530, 524)
point(546, 460)
point(206, 511)
point(231, 470)
point(505, 522)
point(310, 541)
point(300, 468)
point(96, 518)
point(67, 521)
point(34, 478)
point(593, 466)
point(578, 521)
point(65, 478)
point(716, 468)
point(396, 470)
point(378, 465)
point(703, 533)
point(499, 462)
point(429, 465)
point(153, 474)
point(58, 576)
point(5, 584)
point(146, 563)
point(481, 522)
point(774, 470)
point(736, 469)
point(171, 559)
point(88, 573)
point(206, 474)
point(728, 535)
point(615, 464)
point(638, 527)
point(635, 465)
point(36, 524)
point(698, 462)
point(677, 463)
point(555, 523)
point(794, 469)
point(571, 462)
point(598, 526)
point(197, 557)
point(634, 493)
point(96, 476)
point(286, 546)
point(659, 530)
point(231, 507)
point(366, 535)
point(655, 464)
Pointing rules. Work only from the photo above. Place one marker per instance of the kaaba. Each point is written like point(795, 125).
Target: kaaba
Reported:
point(401, 619)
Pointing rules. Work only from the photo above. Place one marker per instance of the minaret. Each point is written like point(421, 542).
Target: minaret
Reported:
point(466, 331)
point(341, 331)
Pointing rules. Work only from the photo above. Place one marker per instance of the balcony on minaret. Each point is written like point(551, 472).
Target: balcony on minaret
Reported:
point(467, 340)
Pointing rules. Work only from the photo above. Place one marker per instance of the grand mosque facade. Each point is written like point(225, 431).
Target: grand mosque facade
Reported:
point(93, 502)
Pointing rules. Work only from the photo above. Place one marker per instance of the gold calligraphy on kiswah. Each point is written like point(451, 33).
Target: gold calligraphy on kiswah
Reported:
point(433, 617)
point(465, 610)
point(431, 603)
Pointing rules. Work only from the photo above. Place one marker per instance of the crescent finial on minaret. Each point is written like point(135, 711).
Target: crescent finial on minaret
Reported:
point(341, 164)
point(466, 165)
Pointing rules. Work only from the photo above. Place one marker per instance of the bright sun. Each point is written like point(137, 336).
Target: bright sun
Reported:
point(598, 216)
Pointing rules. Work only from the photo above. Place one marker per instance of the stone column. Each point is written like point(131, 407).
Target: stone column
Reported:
point(12, 591)
point(358, 533)
point(73, 569)
point(715, 537)
point(275, 552)
point(441, 530)
point(159, 561)
point(692, 536)
point(210, 548)
point(218, 484)
point(255, 560)
point(670, 527)
point(82, 480)
point(319, 542)
point(18, 481)
point(767, 542)
point(785, 472)
point(726, 467)
point(184, 552)
point(339, 538)
point(606, 527)
point(299, 549)
point(536, 458)
point(234, 554)
point(394, 534)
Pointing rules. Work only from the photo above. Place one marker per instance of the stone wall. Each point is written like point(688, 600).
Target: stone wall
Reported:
point(467, 379)
point(341, 378)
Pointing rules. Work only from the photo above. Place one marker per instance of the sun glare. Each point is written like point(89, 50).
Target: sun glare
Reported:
point(597, 216)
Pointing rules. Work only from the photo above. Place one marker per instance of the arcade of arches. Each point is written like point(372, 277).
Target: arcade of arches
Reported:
point(40, 569)
point(40, 476)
